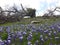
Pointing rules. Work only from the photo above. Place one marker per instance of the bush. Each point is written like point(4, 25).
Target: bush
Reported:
point(4, 36)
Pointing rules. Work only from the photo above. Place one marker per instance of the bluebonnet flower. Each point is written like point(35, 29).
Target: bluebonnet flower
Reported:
point(49, 34)
point(19, 34)
point(9, 38)
point(21, 38)
point(29, 43)
point(1, 29)
point(13, 34)
point(52, 27)
point(1, 42)
point(29, 37)
point(46, 31)
point(5, 41)
point(8, 29)
point(58, 29)
point(30, 33)
point(24, 33)
point(42, 39)
point(36, 42)
point(9, 41)
point(41, 36)
point(33, 29)
point(55, 33)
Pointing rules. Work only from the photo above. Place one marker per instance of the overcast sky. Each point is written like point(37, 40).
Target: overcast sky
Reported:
point(40, 5)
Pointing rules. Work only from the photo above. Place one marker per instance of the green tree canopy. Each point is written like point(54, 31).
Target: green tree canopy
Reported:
point(31, 12)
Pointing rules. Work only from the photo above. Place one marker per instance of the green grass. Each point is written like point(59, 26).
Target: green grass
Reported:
point(28, 21)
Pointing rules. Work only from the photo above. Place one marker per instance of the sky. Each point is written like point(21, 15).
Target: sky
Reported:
point(41, 6)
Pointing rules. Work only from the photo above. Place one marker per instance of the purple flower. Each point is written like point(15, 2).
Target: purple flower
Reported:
point(49, 34)
point(24, 33)
point(29, 37)
point(1, 29)
point(29, 43)
point(42, 39)
point(55, 33)
point(21, 38)
point(46, 31)
point(5, 41)
point(41, 36)
point(8, 29)
point(9, 41)
point(1, 42)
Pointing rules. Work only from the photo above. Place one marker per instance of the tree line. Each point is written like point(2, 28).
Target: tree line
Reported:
point(13, 14)
point(51, 13)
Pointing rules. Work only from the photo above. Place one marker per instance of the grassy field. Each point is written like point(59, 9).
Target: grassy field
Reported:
point(28, 21)
point(20, 34)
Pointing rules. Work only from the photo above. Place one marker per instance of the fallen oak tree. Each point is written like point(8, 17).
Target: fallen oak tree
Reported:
point(35, 22)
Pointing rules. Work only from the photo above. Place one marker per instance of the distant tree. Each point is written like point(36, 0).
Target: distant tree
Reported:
point(50, 13)
point(1, 10)
point(16, 16)
point(31, 12)
point(2, 16)
point(14, 8)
